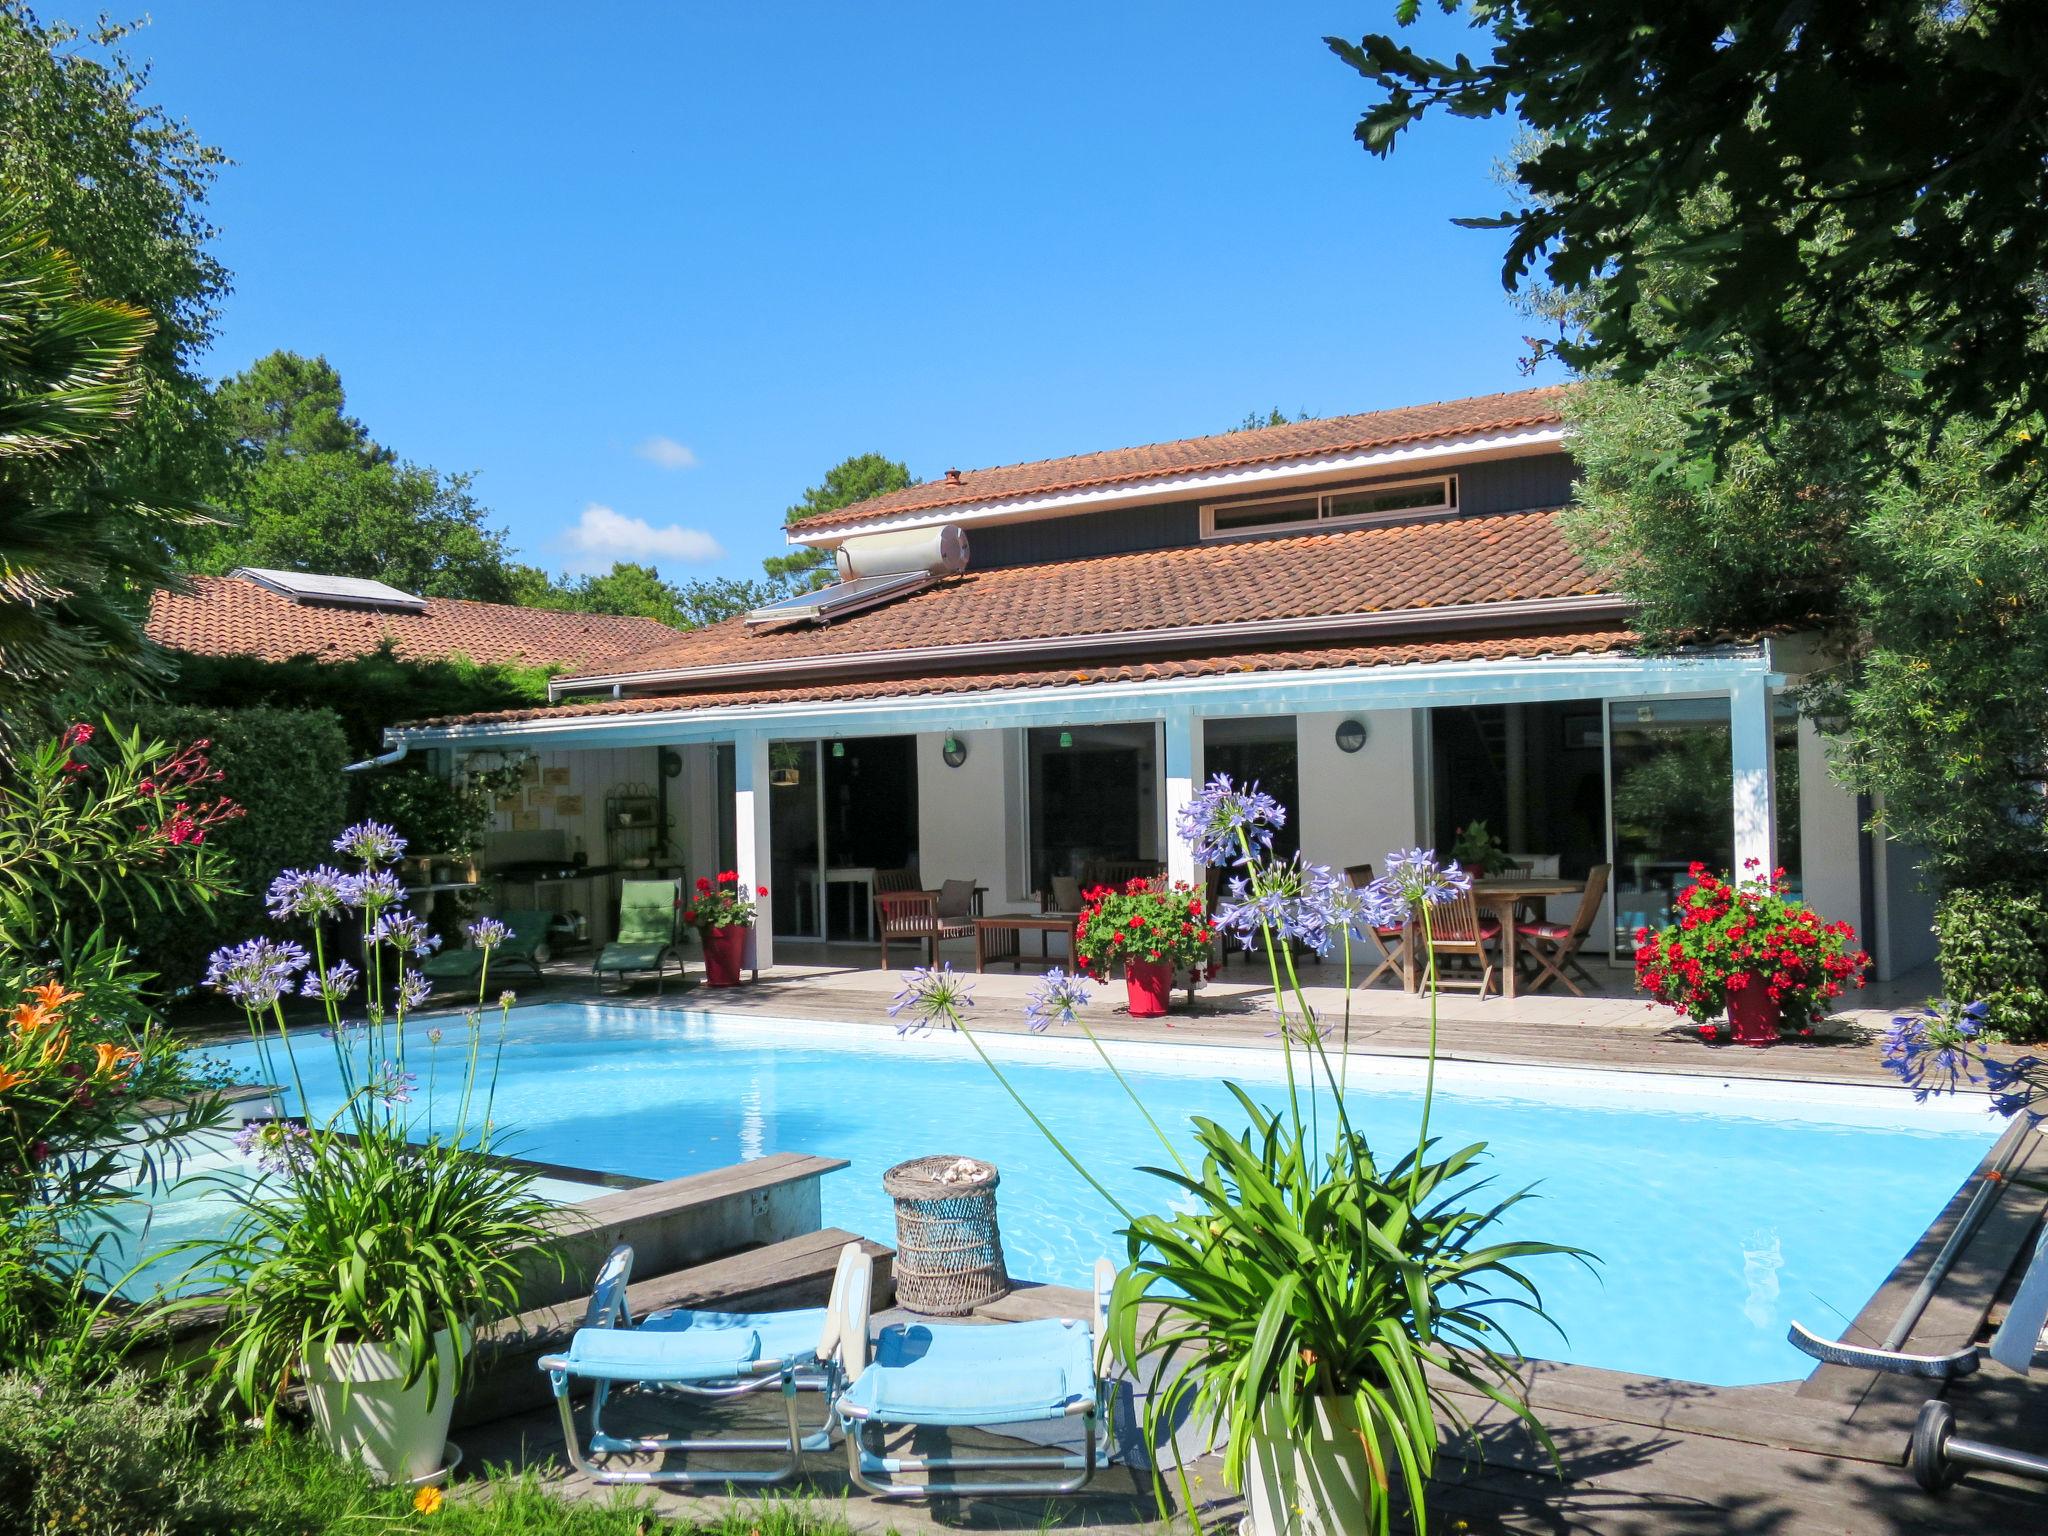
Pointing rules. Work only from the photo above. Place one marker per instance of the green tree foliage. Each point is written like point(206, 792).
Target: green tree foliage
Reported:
point(75, 573)
point(856, 478)
point(284, 767)
point(640, 591)
point(1857, 185)
point(314, 492)
point(364, 693)
point(1255, 420)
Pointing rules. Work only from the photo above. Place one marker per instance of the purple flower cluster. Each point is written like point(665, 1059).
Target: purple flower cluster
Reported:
point(256, 973)
point(1938, 1049)
point(310, 893)
point(1057, 999)
point(487, 933)
point(372, 842)
point(333, 985)
point(392, 1085)
point(279, 1146)
point(932, 995)
point(412, 989)
point(1303, 903)
point(1225, 825)
point(406, 933)
point(1413, 878)
point(373, 890)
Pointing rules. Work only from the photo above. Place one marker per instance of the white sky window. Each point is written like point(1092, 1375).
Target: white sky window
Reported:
point(1343, 506)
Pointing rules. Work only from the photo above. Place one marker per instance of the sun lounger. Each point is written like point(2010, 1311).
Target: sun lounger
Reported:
point(526, 935)
point(970, 1375)
point(647, 932)
point(702, 1355)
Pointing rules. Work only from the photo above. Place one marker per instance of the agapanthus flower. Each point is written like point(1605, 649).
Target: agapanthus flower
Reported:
point(1057, 999)
point(258, 972)
point(507, 999)
point(279, 1146)
point(932, 995)
point(391, 1084)
point(405, 932)
point(373, 890)
point(1221, 822)
point(487, 933)
point(310, 893)
point(1936, 1051)
point(413, 989)
point(1413, 878)
point(371, 841)
point(2015, 1085)
point(332, 985)
point(1296, 901)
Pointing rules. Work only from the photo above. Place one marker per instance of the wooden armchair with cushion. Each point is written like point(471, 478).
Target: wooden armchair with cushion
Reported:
point(1457, 931)
point(1391, 943)
point(1554, 947)
point(915, 916)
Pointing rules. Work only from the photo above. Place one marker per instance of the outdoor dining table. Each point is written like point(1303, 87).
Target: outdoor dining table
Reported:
point(1497, 899)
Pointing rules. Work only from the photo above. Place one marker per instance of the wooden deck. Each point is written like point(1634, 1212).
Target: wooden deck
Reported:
point(1639, 1455)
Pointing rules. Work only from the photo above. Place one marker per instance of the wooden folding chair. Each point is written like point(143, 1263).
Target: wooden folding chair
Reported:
point(1391, 944)
point(1457, 930)
point(1554, 947)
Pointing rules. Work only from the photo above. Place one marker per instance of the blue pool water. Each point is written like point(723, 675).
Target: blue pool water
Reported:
point(1719, 1211)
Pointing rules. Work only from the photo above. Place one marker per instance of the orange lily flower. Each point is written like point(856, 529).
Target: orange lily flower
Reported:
point(51, 995)
point(10, 1079)
point(112, 1058)
point(57, 1047)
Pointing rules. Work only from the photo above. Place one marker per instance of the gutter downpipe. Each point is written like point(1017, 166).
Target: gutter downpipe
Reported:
point(385, 760)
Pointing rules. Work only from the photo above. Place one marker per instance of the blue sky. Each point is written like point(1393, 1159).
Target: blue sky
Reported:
point(672, 262)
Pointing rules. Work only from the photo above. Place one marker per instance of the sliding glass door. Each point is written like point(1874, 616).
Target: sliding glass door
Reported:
point(839, 812)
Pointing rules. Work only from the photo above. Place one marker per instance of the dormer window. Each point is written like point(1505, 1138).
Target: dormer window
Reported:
point(1340, 507)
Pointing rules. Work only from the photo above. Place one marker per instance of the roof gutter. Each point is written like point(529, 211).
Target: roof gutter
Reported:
point(1463, 617)
point(384, 760)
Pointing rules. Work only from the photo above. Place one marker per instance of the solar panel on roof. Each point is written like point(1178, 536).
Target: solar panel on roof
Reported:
point(839, 599)
point(352, 591)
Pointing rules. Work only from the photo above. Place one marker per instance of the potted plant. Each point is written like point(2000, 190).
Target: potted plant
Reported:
point(378, 1236)
point(1307, 1301)
point(1748, 949)
point(1147, 930)
point(1476, 850)
point(722, 912)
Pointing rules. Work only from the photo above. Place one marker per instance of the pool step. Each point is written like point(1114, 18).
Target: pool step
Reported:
point(796, 1272)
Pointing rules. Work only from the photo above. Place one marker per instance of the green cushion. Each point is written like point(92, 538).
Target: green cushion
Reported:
point(633, 957)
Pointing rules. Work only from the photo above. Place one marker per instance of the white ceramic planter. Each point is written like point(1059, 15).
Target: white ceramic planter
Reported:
point(1312, 1483)
point(365, 1411)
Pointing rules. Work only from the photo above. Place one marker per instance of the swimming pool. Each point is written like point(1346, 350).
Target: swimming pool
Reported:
point(1719, 1210)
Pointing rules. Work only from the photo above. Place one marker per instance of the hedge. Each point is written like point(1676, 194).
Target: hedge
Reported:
point(1994, 949)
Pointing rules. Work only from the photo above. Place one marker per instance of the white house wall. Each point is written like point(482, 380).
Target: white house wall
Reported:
point(1829, 835)
point(1357, 805)
point(964, 815)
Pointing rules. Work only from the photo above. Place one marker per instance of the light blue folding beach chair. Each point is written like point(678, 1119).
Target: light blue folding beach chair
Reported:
point(701, 1355)
point(969, 1375)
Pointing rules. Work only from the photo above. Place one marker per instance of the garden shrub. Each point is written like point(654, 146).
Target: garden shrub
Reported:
point(1994, 949)
point(284, 767)
point(92, 1458)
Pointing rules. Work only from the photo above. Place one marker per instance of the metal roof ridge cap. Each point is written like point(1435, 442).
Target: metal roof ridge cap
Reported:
point(1494, 614)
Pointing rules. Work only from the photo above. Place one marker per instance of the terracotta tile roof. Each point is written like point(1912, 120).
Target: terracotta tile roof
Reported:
point(1517, 555)
point(233, 616)
point(1531, 644)
point(1230, 450)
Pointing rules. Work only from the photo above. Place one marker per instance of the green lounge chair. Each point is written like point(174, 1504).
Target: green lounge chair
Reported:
point(647, 932)
point(526, 937)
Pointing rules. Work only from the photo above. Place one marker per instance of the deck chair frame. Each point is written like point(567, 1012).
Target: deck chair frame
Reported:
point(608, 1309)
point(876, 1472)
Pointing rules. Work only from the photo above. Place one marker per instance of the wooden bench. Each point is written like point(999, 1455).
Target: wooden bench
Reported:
point(796, 1272)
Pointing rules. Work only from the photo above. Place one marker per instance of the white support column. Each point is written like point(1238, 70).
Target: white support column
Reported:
point(1183, 733)
point(750, 822)
point(1756, 799)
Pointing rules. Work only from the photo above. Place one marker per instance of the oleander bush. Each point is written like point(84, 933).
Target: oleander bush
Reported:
point(1994, 948)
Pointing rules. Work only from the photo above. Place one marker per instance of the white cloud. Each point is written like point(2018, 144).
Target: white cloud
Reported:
point(601, 536)
point(667, 452)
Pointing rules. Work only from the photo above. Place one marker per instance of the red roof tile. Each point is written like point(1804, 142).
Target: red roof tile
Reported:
point(1531, 644)
point(1388, 567)
point(233, 616)
point(1197, 455)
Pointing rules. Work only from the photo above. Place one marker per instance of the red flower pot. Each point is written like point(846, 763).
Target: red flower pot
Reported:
point(1149, 986)
point(1754, 1013)
point(724, 948)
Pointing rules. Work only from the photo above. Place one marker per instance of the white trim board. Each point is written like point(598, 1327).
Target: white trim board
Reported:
point(1422, 684)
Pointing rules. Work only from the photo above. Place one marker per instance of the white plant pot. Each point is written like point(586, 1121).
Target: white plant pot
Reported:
point(366, 1412)
point(1310, 1483)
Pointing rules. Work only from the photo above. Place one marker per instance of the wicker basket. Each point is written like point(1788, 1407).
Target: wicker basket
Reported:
point(949, 1254)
